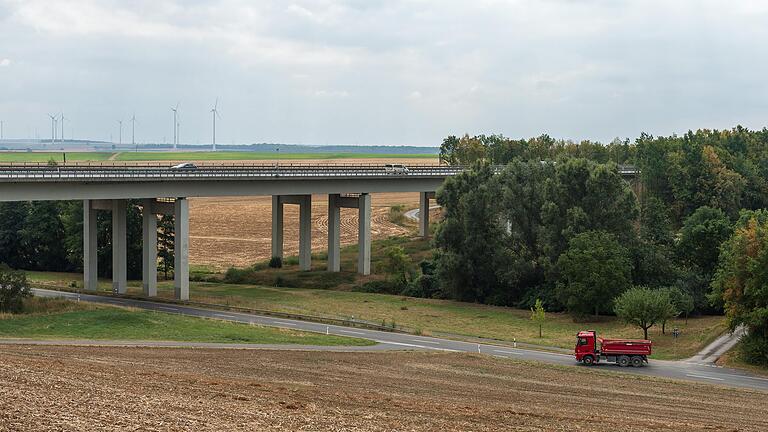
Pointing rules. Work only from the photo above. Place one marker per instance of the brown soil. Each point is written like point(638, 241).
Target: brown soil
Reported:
point(237, 230)
point(79, 388)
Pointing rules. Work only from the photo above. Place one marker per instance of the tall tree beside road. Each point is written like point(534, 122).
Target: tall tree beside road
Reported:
point(13, 215)
point(593, 270)
point(13, 290)
point(471, 240)
point(585, 196)
point(165, 241)
point(43, 237)
point(644, 307)
point(741, 283)
point(701, 236)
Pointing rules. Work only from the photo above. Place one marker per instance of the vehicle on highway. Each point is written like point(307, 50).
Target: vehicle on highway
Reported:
point(591, 349)
point(184, 166)
point(396, 169)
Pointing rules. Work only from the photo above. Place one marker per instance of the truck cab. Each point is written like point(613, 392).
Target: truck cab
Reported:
point(586, 347)
point(591, 349)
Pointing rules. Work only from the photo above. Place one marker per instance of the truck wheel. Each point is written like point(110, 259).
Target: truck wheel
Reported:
point(637, 361)
point(588, 360)
point(624, 361)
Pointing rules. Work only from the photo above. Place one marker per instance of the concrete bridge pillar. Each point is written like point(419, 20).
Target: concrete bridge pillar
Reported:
point(90, 247)
point(424, 198)
point(364, 235)
point(149, 245)
point(334, 232)
point(363, 204)
point(119, 247)
point(181, 249)
point(305, 227)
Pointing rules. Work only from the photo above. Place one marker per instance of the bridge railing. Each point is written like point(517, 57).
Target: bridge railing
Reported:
point(122, 172)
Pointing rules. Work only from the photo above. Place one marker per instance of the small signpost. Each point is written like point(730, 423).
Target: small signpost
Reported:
point(676, 334)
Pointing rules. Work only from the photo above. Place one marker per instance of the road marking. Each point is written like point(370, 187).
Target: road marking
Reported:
point(351, 332)
point(426, 341)
point(507, 352)
point(224, 316)
point(705, 377)
point(167, 308)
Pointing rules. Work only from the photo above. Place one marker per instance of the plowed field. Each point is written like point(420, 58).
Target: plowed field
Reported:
point(88, 389)
point(237, 230)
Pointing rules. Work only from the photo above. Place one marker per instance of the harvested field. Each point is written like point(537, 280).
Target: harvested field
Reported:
point(79, 388)
point(237, 230)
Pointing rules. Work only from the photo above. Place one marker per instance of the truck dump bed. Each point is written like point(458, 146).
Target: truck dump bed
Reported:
point(625, 346)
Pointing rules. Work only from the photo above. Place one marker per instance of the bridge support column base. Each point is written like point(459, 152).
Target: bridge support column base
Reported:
point(181, 249)
point(364, 235)
point(424, 198)
point(119, 247)
point(334, 233)
point(149, 246)
point(90, 247)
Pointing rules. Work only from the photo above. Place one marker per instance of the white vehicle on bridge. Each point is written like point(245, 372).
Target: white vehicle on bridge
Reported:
point(185, 166)
point(396, 169)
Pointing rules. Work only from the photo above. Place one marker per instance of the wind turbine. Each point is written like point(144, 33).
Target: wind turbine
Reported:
point(133, 131)
point(175, 125)
point(61, 137)
point(214, 114)
point(53, 128)
point(120, 136)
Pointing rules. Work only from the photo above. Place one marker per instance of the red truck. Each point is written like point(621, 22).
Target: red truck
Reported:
point(591, 349)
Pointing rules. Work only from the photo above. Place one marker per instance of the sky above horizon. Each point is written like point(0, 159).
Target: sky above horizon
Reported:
point(387, 72)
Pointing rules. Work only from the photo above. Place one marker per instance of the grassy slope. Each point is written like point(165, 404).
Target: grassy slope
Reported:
point(429, 315)
point(57, 156)
point(62, 319)
point(158, 156)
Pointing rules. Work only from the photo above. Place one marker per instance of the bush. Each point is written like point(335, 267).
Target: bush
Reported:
point(425, 286)
point(276, 262)
point(379, 287)
point(397, 214)
point(13, 290)
point(235, 275)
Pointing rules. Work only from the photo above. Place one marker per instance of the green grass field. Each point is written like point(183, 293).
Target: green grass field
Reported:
point(429, 316)
point(57, 156)
point(63, 319)
point(220, 155)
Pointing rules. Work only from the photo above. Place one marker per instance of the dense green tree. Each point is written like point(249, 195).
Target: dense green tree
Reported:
point(584, 196)
point(741, 283)
point(594, 270)
point(397, 264)
point(471, 240)
point(655, 223)
point(13, 290)
point(13, 215)
point(644, 307)
point(72, 220)
point(165, 242)
point(42, 237)
point(701, 236)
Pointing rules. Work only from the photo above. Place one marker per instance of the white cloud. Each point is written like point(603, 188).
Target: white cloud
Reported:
point(588, 69)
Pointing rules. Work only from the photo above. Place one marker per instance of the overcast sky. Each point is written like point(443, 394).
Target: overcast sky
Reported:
point(382, 71)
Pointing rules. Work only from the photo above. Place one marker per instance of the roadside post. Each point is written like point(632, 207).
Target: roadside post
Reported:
point(675, 334)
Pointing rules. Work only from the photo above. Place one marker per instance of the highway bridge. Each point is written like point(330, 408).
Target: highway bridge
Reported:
point(164, 190)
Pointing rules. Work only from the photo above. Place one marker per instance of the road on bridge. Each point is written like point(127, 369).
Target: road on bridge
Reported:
point(683, 370)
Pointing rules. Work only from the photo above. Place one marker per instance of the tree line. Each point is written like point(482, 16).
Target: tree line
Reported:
point(48, 236)
point(558, 222)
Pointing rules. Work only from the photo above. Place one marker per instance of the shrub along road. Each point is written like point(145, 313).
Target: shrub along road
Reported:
point(400, 341)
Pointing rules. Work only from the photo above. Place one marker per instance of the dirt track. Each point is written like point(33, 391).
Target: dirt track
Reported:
point(237, 230)
point(65, 388)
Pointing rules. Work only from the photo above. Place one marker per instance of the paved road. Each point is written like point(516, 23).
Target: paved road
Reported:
point(684, 370)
